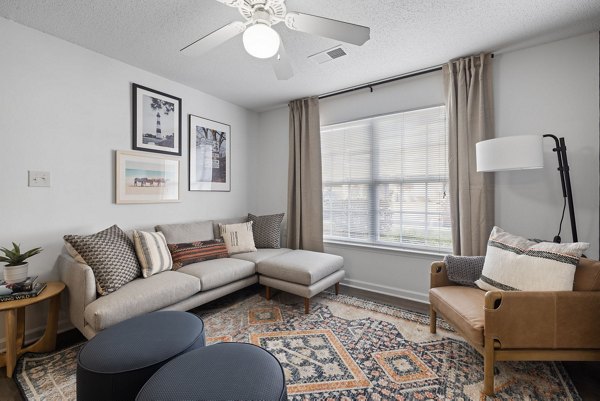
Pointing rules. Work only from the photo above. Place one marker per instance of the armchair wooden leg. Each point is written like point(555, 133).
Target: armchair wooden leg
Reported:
point(306, 306)
point(432, 320)
point(337, 288)
point(488, 367)
point(267, 293)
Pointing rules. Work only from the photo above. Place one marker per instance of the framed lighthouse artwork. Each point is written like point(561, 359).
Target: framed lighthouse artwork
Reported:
point(156, 121)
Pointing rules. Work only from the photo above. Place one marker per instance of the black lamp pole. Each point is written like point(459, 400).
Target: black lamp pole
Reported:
point(565, 181)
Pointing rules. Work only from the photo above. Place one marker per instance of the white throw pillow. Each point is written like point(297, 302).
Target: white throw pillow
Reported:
point(152, 252)
point(238, 238)
point(513, 263)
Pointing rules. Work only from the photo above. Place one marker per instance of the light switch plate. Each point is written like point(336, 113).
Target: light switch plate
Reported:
point(39, 178)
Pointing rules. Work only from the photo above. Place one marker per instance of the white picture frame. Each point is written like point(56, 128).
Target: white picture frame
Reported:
point(146, 178)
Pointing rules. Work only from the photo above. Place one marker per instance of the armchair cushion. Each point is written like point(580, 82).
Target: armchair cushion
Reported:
point(587, 275)
point(514, 263)
point(463, 308)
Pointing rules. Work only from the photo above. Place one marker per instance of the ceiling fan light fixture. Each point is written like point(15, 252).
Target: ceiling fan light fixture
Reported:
point(261, 41)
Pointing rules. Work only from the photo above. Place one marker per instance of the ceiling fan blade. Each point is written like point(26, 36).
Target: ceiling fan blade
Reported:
point(330, 28)
point(214, 39)
point(282, 66)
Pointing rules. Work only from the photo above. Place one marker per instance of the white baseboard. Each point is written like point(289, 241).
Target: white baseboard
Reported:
point(36, 333)
point(386, 290)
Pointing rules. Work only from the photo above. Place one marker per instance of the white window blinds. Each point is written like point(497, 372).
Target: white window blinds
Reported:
point(385, 181)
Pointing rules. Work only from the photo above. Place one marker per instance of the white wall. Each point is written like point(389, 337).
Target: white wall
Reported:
point(547, 88)
point(552, 88)
point(272, 159)
point(65, 109)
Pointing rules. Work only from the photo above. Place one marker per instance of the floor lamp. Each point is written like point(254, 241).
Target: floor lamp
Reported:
point(526, 152)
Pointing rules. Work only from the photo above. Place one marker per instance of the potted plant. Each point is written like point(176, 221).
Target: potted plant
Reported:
point(16, 267)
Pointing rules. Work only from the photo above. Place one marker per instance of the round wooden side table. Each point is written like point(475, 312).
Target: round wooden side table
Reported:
point(15, 325)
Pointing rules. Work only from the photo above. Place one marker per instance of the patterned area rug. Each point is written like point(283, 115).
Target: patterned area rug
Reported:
point(345, 349)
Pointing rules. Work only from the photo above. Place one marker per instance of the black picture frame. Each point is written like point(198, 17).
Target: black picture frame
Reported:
point(209, 163)
point(148, 135)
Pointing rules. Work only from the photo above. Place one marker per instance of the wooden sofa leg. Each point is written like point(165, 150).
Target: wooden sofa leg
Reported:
point(268, 293)
point(488, 367)
point(337, 288)
point(432, 320)
point(306, 305)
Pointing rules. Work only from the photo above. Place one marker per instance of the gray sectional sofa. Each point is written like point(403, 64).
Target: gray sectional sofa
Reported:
point(188, 287)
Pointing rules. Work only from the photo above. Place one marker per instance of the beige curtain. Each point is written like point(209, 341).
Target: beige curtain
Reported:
point(469, 103)
point(305, 193)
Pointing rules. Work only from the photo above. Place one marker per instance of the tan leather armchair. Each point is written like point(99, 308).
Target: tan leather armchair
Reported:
point(522, 325)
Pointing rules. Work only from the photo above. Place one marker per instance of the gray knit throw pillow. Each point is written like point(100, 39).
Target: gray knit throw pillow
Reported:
point(266, 230)
point(111, 256)
point(464, 270)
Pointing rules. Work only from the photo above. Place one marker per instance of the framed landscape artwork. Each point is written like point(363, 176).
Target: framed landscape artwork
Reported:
point(143, 178)
point(210, 155)
point(156, 121)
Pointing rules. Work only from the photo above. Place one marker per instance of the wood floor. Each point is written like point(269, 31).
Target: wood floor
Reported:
point(585, 375)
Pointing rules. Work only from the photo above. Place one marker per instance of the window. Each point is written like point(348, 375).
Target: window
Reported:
point(385, 181)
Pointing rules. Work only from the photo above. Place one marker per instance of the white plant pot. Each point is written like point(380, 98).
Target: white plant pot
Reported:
point(15, 274)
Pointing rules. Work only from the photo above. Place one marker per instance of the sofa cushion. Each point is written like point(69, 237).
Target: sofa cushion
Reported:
point(152, 252)
point(111, 256)
point(187, 232)
point(218, 272)
point(462, 307)
point(513, 263)
point(260, 254)
point(194, 252)
point(238, 237)
point(266, 230)
point(301, 267)
point(140, 296)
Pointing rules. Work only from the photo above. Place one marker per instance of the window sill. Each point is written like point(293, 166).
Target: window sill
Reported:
point(387, 249)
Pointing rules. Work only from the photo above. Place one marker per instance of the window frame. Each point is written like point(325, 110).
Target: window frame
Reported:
point(373, 185)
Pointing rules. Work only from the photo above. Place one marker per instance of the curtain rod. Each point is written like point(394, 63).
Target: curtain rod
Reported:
point(370, 85)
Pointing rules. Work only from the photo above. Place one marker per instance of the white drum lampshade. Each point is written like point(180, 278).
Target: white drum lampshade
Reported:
point(261, 41)
point(510, 153)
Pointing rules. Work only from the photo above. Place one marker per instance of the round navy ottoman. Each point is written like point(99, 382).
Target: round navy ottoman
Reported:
point(224, 371)
point(116, 363)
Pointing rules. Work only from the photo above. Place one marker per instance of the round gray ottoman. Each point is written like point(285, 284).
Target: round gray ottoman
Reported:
point(116, 363)
point(224, 371)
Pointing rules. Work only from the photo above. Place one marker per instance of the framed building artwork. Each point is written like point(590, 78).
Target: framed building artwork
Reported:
point(144, 178)
point(156, 121)
point(210, 155)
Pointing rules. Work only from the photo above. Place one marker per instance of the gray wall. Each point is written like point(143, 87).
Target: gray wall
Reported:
point(65, 109)
point(547, 88)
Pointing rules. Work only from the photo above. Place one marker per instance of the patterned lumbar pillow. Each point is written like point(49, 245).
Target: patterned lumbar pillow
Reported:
point(238, 237)
point(194, 252)
point(111, 256)
point(152, 252)
point(514, 263)
point(266, 230)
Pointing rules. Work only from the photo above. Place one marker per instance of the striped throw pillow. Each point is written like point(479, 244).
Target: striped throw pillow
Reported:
point(194, 252)
point(238, 237)
point(514, 263)
point(152, 252)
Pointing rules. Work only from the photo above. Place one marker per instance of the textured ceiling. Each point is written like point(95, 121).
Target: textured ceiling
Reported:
point(406, 35)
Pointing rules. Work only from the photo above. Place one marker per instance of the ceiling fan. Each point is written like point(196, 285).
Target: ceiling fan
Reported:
point(262, 41)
